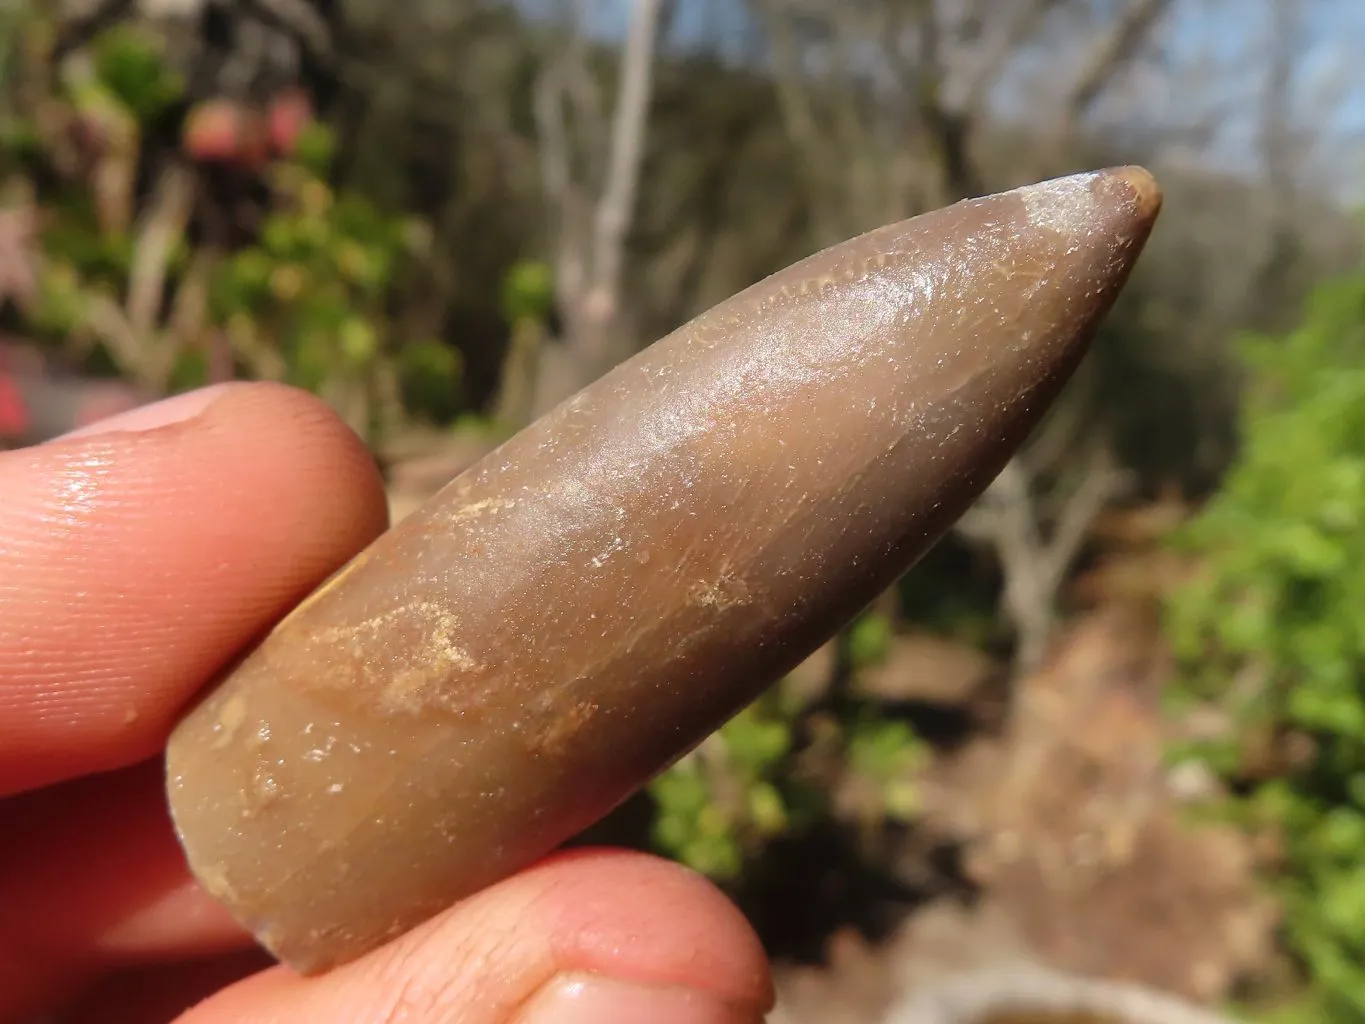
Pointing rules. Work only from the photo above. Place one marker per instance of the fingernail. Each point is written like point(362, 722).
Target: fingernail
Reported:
point(593, 999)
point(176, 409)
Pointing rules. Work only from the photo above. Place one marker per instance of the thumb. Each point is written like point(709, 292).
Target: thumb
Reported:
point(589, 936)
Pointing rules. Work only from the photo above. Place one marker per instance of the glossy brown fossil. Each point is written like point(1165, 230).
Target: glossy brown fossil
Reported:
point(587, 603)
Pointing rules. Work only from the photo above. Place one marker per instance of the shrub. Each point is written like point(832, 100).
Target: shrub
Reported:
point(1272, 631)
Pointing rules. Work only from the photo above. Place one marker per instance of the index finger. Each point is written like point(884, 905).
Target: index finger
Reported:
point(135, 563)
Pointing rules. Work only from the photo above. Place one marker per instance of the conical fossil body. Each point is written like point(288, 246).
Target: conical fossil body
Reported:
point(587, 603)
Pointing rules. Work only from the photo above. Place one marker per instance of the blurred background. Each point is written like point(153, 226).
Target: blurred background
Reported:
point(1112, 729)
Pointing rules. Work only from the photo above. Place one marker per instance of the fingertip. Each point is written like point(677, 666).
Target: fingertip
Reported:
point(682, 930)
point(152, 415)
point(273, 428)
point(647, 923)
point(140, 557)
point(92, 879)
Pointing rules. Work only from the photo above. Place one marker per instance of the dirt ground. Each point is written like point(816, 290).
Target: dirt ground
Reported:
point(1079, 857)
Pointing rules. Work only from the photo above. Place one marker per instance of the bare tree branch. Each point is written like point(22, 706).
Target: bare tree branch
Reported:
point(1101, 481)
point(1109, 56)
point(949, 129)
point(819, 160)
point(617, 204)
point(584, 95)
point(299, 20)
point(75, 29)
point(591, 212)
point(164, 223)
point(1278, 152)
point(557, 181)
point(1035, 561)
point(1004, 44)
point(1030, 993)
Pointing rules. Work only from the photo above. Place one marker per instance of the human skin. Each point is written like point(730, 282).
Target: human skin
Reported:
point(136, 562)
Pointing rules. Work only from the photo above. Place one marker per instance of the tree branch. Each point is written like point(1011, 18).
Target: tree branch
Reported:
point(1114, 51)
point(979, 996)
point(1035, 562)
point(818, 159)
point(164, 223)
point(991, 65)
point(617, 203)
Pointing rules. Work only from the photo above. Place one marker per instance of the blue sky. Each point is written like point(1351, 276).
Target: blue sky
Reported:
point(1328, 98)
point(1227, 37)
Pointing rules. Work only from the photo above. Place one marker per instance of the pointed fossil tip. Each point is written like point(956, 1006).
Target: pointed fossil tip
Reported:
point(1117, 200)
point(1144, 186)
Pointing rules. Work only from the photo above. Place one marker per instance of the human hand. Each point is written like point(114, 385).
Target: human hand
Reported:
point(137, 558)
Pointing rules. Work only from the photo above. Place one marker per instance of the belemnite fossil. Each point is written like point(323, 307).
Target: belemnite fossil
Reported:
point(582, 607)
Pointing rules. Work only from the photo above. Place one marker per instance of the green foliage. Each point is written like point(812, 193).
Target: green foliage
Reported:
point(129, 64)
point(885, 755)
point(84, 256)
point(527, 292)
point(75, 244)
point(777, 768)
point(60, 306)
point(869, 639)
point(312, 298)
point(314, 149)
point(718, 805)
point(429, 373)
point(1272, 628)
point(315, 285)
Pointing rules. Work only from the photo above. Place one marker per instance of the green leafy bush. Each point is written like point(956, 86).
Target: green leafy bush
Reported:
point(782, 765)
point(527, 291)
point(1272, 631)
point(718, 805)
point(317, 278)
point(130, 65)
point(868, 639)
point(884, 755)
point(311, 298)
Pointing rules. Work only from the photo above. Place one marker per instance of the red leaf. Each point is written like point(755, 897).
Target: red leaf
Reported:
point(14, 415)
